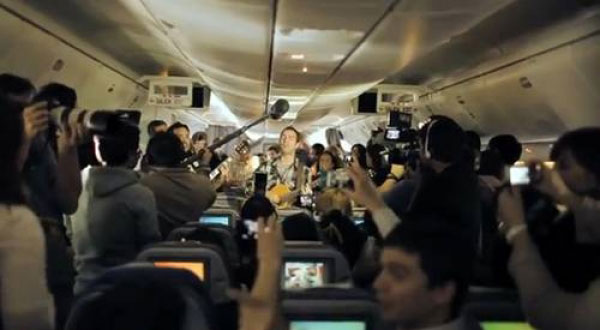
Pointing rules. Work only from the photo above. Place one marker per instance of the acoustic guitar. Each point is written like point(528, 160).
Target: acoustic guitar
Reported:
point(241, 149)
point(281, 194)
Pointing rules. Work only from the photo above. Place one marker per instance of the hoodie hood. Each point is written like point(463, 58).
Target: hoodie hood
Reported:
point(106, 180)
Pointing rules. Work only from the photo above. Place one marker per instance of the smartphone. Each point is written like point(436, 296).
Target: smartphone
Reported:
point(306, 200)
point(213, 174)
point(260, 182)
point(520, 175)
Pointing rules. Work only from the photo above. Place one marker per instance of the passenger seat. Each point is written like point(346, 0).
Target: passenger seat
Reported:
point(207, 261)
point(140, 296)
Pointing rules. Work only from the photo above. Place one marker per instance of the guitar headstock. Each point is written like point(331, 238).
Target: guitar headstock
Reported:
point(242, 148)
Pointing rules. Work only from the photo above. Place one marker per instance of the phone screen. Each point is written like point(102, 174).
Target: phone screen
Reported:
point(392, 134)
point(214, 173)
point(519, 175)
point(260, 182)
point(306, 200)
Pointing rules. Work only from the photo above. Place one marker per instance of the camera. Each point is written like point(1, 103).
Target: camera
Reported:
point(96, 121)
point(398, 129)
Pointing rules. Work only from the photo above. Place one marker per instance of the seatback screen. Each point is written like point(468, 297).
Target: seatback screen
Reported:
point(303, 275)
point(328, 325)
point(506, 326)
point(195, 267)
point(215, 219)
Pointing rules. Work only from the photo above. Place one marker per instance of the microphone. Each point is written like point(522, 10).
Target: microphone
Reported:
point(278, 109)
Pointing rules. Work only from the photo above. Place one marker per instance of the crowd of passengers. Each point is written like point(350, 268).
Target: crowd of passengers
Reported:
point(73, 206)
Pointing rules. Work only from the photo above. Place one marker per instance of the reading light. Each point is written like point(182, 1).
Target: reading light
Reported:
point(304, 69)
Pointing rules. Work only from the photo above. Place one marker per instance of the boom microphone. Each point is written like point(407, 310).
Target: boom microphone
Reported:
point(277, 110)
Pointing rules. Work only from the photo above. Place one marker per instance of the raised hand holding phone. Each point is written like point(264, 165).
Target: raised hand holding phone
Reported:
point(260, 309)
point(364, 192)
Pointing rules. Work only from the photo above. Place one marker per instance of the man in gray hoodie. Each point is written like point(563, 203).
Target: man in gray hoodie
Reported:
point(181, 195)
point(116, 217)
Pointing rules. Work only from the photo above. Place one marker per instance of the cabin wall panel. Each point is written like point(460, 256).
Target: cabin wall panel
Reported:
point(32, 53)
point(563, 95)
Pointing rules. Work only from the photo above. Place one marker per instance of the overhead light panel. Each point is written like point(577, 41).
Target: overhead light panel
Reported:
point(297, 56)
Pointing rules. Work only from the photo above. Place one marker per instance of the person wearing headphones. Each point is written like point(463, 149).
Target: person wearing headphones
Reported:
point(445, 184)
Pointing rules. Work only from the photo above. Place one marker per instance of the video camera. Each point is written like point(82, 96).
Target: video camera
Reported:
point(400, 140)
point(398, 129)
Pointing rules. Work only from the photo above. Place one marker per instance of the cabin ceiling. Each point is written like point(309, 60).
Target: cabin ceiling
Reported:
point(317, 54)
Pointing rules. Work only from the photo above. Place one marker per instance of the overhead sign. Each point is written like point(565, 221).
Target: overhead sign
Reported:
point(170, 92)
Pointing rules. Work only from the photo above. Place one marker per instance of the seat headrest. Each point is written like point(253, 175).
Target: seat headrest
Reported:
point(217, 272)
point(139, 296)
point(332, 304)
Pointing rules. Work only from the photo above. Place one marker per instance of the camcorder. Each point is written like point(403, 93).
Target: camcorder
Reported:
point(400, 140)
point(398, 129)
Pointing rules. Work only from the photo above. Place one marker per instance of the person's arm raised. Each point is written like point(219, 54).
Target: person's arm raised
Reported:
point(35, 120)
point(365, 193)
point(545, 304)
point(260, 309)
point(68, 174)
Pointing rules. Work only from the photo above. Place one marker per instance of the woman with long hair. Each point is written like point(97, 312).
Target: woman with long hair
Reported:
point(26, 303)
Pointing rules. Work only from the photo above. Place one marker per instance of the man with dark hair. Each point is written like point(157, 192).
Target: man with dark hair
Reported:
point(445, 185)
point(426, 263)
point(287, 172)
point(156, 126)
point(473, 150)
point(425, 274)
point(16, 89)
point(575, 183)
point(182, 131)
point(181, 196)
point(199, 141)
point(274, 152)
point(315, 152)
point(59, 94)
point(508, 146)
point(577, 156)
point(117, 215)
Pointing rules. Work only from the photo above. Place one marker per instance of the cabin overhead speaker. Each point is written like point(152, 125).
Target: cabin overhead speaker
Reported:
point(200, 97)
point(367, 102)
